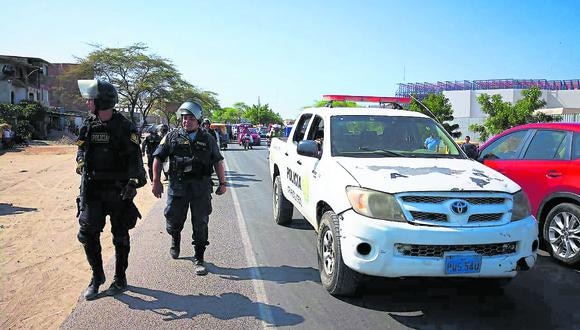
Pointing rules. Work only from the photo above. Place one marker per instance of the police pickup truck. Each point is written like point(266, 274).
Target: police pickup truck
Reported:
point(390, 194)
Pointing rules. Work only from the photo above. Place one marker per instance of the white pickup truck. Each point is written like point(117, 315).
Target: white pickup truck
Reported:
point(386, 200)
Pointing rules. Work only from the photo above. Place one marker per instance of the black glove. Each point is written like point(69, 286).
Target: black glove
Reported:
point(130, 190)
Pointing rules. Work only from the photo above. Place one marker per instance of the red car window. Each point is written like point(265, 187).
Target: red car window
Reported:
point(576, 146)
point(548, 144)
point(506, 147)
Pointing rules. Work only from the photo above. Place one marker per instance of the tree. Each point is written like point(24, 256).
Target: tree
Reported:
point(26, 118)
point(226, 115)
point(335, 104)
point(503, 115)
point(141, 80)
point(440, 107)
point(262, 114)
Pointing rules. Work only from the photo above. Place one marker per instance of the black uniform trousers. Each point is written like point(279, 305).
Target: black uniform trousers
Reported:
point(102, 201)
point(189, 195)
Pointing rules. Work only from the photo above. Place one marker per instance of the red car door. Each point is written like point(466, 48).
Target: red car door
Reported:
point(547, 165)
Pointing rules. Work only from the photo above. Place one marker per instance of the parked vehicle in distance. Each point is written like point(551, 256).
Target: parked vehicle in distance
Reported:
point(386, 203)
point(544, 159)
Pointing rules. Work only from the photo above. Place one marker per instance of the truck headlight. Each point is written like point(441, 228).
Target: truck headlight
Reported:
point(522, 208)
point(375, 204)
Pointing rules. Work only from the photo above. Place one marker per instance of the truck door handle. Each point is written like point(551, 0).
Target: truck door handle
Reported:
point(299, 162)
point(286, 154)
point(553, 174)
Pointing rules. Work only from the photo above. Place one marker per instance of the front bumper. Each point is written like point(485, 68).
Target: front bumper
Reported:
point(386, 257)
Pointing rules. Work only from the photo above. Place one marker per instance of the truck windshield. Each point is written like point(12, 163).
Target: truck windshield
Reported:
point(367, 136)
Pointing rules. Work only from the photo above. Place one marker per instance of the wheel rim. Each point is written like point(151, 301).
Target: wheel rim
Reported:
point(564, 235)
point(328, 257)
point(276, 196)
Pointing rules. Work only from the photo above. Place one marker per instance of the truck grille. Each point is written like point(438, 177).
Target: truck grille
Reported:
point(487, 250)
point(429, 216)
point(485, 217)
point(440, 199)
point(456, 208)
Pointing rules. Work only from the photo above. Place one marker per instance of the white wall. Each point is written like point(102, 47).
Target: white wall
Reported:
point(467, 110)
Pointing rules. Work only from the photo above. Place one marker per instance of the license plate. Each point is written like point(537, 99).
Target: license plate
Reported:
point(462, 263)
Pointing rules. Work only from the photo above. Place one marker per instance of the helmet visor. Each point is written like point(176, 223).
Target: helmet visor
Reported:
point(89, 88)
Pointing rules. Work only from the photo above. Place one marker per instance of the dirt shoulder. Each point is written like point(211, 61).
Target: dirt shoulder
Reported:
point(43, 269)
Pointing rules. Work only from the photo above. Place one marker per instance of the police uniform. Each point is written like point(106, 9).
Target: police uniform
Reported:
point(149, 145)
point(112, 159)
point(191, 163)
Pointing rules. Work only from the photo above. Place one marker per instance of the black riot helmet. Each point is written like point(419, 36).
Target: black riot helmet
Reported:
point(102, 92)
point(162, 129)
point(206, 121)
point(189, 108)
point(107, 97)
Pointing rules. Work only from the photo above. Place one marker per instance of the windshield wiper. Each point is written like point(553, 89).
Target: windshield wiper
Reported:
point(383, 152)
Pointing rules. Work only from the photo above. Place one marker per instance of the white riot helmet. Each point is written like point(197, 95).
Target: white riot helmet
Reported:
point(189, 108)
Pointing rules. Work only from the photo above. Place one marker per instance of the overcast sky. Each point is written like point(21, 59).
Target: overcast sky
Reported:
point(290, 53)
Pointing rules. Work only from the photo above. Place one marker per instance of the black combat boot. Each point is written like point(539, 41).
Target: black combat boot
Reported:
point(92, 291)
point(93, 252)
point(198, 260)
point(175, 243)
point(121, 262)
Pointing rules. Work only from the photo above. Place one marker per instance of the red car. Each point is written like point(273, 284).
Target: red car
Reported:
point(544, 159)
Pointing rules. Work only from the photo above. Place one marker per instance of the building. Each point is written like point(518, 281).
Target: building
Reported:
point(23, 78)
point(67, 109)
point(561, 96)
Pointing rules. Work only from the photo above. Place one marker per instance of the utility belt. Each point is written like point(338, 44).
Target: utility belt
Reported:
point(107, 176)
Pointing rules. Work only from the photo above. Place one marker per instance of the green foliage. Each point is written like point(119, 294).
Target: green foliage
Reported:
point(503, 115)
point(440, 107)
point(335, 104)
point(145, 82)
point(226, 115)
point(261, 114)
point(22, 116)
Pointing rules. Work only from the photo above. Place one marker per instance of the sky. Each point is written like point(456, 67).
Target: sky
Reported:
point(287, 54)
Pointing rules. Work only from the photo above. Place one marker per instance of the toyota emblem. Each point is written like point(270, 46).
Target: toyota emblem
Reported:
point(459, 207)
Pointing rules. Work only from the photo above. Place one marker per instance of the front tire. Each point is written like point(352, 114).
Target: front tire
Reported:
point(336, 277)
point(282, 207)
point(562, 233)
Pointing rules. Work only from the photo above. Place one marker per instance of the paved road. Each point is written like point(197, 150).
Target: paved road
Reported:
point(265, 275)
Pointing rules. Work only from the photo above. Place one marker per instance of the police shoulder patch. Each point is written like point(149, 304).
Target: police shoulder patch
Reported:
point(134, 138)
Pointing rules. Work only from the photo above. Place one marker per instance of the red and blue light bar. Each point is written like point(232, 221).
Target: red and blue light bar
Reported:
point(373, 99)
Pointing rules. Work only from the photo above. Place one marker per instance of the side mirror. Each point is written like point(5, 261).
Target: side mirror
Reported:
point(308, 148)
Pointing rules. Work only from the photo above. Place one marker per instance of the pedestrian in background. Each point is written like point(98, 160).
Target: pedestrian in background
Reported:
point(469, 148)
point(193, 156)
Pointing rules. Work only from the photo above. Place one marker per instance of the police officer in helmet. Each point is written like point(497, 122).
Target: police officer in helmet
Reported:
point(109, 160)
point(149, 145)
point(162, 129)
point(193, 156)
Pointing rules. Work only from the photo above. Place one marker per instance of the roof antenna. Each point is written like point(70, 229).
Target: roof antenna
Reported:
point(424, 106)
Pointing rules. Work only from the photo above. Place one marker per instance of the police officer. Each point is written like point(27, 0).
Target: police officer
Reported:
point(111, 166)
point(193, 156)
point(162, 129)
point(211, 131)
point(149, 145)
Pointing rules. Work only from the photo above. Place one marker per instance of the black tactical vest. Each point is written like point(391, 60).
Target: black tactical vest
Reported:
point(105, 155)
point(198, 152)
point(151, 143)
